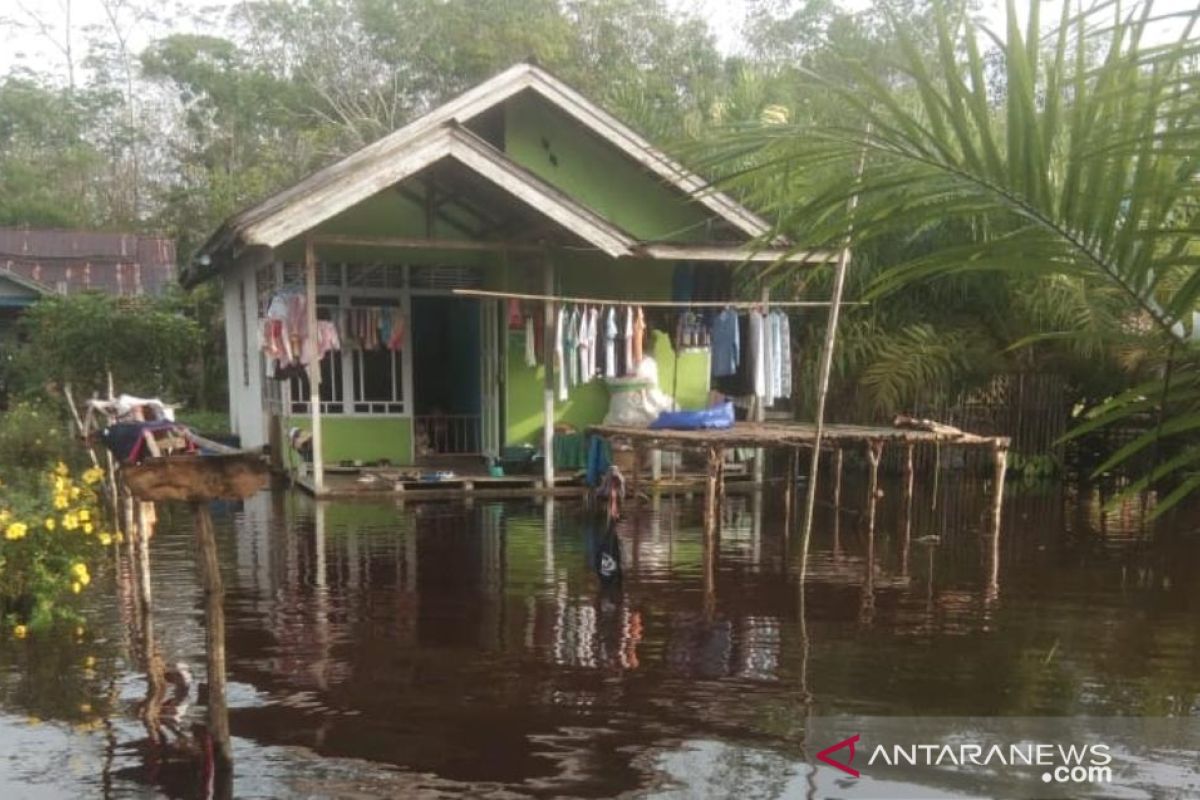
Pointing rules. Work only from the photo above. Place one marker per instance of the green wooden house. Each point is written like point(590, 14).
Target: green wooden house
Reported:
point(518, 185)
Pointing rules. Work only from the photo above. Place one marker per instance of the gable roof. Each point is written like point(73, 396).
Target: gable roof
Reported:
point(373, 168)
point(36, 290)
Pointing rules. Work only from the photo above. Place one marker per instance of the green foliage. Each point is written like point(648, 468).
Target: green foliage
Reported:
point(1064, 164)
point(51, 530)
point(77, 339)
point(32, 438)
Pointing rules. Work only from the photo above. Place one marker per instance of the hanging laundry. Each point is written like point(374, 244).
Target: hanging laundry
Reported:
point(630, 366)
point(610, 343)
point(757, 353)
point(584, 344)
point(726, 346)
point(530, 343)
point(327, 338)
point(639, 335)
point(572, 345)
point(560, 352)
point(593, 341)
point(785, 355)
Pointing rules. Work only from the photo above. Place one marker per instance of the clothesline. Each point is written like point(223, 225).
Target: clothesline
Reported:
point(594, 301)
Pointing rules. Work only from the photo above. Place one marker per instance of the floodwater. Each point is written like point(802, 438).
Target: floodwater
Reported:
point(455, 650)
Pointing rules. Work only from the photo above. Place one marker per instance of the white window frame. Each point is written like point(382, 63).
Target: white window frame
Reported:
point(344, 293)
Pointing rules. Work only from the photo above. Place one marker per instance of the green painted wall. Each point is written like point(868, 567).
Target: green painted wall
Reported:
point(593, 172)
point(587, 275)
point(364, 438)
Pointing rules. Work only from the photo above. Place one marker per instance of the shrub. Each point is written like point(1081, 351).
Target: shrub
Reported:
point(31, 438)
point(52, 532)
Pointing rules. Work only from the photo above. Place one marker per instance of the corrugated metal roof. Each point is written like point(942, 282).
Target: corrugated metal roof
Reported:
point(73, 260)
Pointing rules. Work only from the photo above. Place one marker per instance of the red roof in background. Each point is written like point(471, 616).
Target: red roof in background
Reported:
point(72, 261)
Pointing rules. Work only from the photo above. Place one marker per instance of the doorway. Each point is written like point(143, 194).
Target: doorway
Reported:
point(447, 391)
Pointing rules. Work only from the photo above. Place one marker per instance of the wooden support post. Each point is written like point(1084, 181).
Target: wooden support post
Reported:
point(823, 371)
point(838, 457)
point(874, 456)
point(711, 489)
point(1000, 465)
point(548, 337)
point(656, 465)
point(909, 472)
point(214, 614)
point(635, 474)
point(789, 488)
point(314, 367)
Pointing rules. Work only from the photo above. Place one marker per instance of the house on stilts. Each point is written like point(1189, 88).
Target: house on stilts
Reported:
point(521, 186)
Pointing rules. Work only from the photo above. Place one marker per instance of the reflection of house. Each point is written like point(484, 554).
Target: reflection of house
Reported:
point(518, 185)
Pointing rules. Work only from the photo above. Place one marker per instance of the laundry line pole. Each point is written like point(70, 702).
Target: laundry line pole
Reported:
point(548, 338)
point(314, 366)
point(826, 365)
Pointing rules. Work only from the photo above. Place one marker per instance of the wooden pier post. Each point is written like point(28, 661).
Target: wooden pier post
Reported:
point(1000, 467)
point(712, 488)
point(549, 318)
point(214, 631)
point(874, 456)
point(635, 475)
point(314, 369)
point(789, 489)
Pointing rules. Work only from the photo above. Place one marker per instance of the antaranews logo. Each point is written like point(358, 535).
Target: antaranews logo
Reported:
point(1073, 763)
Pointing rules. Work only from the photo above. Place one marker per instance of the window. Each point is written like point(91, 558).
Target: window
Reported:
point(378, 381)
point(353, 381)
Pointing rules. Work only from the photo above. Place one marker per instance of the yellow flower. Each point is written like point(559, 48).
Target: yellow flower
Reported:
point(60, 501)
point(75, 492)
point(61, 469)
point(70, 521)
point(50, 523)
point(5, 514)
point(20, 631)
point(15, 530)
point(87, 527)
point(76, 587)
point(84, 515)
point(79, 569)
point(105, 539)
point(60, 484)
point(119, 537)
point(93, 475)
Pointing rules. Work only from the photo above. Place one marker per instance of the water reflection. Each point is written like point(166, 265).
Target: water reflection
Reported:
point(445, 648)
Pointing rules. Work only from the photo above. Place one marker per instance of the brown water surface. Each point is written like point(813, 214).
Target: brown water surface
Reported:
point(455, 650)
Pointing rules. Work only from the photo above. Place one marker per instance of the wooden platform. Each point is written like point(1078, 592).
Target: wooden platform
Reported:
point(789, 434)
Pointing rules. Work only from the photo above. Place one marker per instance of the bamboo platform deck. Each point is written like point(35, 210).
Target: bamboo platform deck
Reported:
point(791, 434)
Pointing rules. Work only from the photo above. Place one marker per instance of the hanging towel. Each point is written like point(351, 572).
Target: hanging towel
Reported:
point(560, 351)
point(530, 343)
point(610, 343)
point(726, 348)
point(757, 354)
point(785, 355)
point(639, 334)
point(629, 365)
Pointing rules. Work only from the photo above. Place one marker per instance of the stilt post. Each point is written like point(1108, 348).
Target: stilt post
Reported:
point(314, 367)
point(548, 338)
point(214, 630)
point(823, 372)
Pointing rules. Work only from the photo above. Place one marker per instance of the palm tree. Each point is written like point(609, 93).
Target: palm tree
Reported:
point(1068, 163)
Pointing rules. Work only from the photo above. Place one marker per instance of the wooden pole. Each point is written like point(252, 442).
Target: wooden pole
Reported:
point(1000, 466)
point(789, 489)
point(214, 614)
point(909, 473)
point(823, 372)
point(314, 367)
point(634, 477)
point(711, 489)
point(550, 333)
